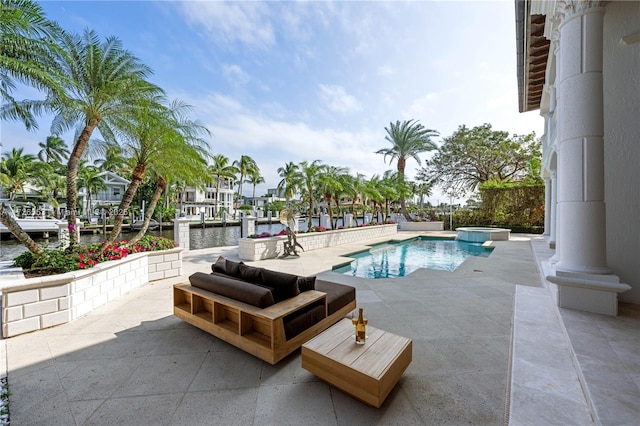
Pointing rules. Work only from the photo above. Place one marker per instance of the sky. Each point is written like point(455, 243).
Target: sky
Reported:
point(304, 81)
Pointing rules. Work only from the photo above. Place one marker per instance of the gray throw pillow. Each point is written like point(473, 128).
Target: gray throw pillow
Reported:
point(250, 273)
point(306, 283)
point(220, 266)
point(284, 285)
point(233, 268)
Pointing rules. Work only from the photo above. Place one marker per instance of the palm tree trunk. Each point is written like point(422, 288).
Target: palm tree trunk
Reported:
point(7, 220)
point(216, 206)
point(327, 198)
point(72, 178)
point(310, 218)
point(136, 180)
point(161, 184)
point(404, 211)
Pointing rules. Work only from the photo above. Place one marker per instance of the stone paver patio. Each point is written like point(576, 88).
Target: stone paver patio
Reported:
point(133, 362)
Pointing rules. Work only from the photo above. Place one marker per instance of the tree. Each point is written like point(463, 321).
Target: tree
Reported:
point(111, 158)
point(221, 169)
point(53, 149)
point(15, 171)
point(89, 178)
point(246, 166)
point(193, 169)
point(331, 182)
point(8, 220)
point(51, 183)
point(355, 188)
point(309, 173)
point(470, 157)
point(103, 87)
point(290, 183)
point(254, 179)
point(372, 190)
point(390, 185)
point(153, 133)
point(27, 49)
point(408, 139)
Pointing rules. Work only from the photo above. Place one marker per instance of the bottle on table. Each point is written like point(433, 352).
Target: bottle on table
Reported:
point(361, 328)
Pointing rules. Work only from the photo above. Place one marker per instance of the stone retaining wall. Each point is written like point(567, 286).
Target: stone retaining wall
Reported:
point(252, 249)
point(37, 303)
point(422, 226)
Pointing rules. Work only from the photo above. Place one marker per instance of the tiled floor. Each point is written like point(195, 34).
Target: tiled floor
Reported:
point(133, 362)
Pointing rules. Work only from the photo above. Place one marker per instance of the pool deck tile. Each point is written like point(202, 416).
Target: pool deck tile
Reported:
point(133, 362)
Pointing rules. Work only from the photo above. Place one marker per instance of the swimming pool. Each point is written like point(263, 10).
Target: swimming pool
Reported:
point(399, 258)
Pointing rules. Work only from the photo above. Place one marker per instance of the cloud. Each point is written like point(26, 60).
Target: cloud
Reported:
point(246, 22)
point(338, 100)
point(235, 74)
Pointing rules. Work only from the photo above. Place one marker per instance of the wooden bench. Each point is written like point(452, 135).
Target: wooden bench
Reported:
point(260, 332)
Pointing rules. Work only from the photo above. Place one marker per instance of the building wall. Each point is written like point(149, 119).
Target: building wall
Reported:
point(621, 74)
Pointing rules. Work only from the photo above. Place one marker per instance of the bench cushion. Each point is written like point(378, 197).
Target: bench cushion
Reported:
point(299, 321)
point(338, 295)
point(233, 288)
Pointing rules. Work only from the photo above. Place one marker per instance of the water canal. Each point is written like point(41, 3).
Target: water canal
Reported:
point(200, 237)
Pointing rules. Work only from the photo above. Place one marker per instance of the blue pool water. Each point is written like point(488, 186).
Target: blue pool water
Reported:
point(400, 258)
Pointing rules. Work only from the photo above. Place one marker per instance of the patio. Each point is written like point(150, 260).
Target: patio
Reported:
point(133, 362)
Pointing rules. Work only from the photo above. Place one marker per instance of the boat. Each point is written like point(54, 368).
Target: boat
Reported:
point(137, 225)
point(31, 224)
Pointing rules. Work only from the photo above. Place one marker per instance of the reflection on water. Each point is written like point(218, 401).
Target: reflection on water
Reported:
point(200, 237)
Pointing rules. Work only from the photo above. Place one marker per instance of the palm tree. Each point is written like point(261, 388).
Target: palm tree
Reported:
point(26, 54)
point(309, 173)
point(221, 169)
point(53, 149)
point(254, 179)
point(112, 159)
point(372, 190)
point(290, 182)
point(389, 185)
point(51, 183)
point(408, 139)
point(246, 166)
point(193, 169)
point(104, 86)
point(155, 130)
point(89, 178)
point(15, 171)
point(354, 189)
point(330, 181)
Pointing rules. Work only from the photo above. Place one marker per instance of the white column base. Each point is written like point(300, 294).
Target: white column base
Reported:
point(588, 292)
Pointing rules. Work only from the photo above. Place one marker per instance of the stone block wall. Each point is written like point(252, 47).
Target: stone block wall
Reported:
point(38, 303)
point(252, 249)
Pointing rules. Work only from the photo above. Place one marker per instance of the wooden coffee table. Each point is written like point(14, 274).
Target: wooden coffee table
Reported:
point(367, 372)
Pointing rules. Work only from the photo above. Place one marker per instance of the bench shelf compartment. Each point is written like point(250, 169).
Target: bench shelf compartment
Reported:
point(257, 331)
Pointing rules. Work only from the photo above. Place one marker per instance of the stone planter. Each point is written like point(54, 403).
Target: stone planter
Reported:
point(252, 249)
point(38, 303)
point(421, 226)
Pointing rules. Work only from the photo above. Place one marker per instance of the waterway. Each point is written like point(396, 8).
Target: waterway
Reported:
point(200, 237)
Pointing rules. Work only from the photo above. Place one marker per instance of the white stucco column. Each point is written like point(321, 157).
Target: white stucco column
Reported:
point(581, 271)
point(553, 207)
point(547, 207)
point(582, 238)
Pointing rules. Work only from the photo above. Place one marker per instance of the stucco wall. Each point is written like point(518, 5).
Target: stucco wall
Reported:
point(621, 74)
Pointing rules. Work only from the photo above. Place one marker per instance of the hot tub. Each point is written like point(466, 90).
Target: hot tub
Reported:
point(480, 235)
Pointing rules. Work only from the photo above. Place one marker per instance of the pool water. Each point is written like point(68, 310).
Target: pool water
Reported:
point(400, 258)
